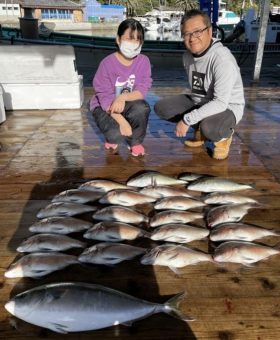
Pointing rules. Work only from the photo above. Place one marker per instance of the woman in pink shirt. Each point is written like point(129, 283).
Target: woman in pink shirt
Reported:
point(121, 83)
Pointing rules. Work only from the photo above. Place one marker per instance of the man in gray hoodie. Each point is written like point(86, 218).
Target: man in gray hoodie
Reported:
point(216, 102)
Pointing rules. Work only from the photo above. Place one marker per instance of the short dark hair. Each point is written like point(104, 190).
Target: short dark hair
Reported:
point(196, 12)
point(133, 25)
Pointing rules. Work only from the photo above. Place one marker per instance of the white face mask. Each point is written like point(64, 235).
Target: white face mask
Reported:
point(130, 49)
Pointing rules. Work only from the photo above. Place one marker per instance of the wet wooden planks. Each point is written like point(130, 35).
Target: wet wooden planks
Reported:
point(45, 152)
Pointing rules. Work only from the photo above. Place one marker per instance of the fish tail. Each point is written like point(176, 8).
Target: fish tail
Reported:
point(171, 307)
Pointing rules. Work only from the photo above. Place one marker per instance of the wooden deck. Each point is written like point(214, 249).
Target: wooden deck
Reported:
point(45, 152)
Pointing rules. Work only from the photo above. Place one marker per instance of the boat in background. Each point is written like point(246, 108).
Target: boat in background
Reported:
point(90, 50)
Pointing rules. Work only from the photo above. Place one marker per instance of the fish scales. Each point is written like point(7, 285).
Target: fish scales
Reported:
point(246, 253)
point(60, 225)
point(213, 184)
point(49, 242)
point(64, 209)
point(174, 216)
point(114, 232)
point(76, 307)
point(120, 214)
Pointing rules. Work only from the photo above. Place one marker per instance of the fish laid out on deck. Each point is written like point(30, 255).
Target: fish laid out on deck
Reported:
point(126, 198)
point(174, 216)
point(75, 307)
point(245, 253)
point(178, 203)
point(228, 213)
point(49, 242)
point(153, 178)
point(120, 214)
point(175, 256)
point(40, 264)
point(108, 253)
point(179, 233)
point(102, 185)
point(226, 198)
point(64, 209)
point(111, 231)
point(77, 196)
point(120, 222)
point(60, 225)
point(161, 191)
point(240, 231)
point(213, 184)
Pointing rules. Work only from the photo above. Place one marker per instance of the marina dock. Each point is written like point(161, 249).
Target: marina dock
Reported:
point(43, 152)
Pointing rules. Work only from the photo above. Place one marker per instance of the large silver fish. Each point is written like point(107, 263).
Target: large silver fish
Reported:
point(178, 203)
point(160, 191)
point(39, 264)
point(228, 213)
point(49, 242)
point(226, 198)
point(76, 307)
point(246, 253)
point(174, 256)
point(179, 233)
point(213, 184)
point(102, 185)
point(174, 216)
point(64, 209)
point(120, 214)
point(126, 197)
point(60, 225)
point(77, 196)
point(114, 232)
point(240, 231)
point(110, 253)
point(153, 178)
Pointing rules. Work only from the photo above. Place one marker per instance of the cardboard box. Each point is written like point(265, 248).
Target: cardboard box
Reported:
point(40, 77)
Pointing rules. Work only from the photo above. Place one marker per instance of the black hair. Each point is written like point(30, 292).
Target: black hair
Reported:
point(196, 12)
point(133, 25)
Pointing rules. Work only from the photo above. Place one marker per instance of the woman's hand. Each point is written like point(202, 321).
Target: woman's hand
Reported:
point(118, 105)
point(125, 127)
point(181, 129)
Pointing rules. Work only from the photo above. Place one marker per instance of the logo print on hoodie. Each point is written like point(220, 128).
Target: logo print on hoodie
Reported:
point(198, 83)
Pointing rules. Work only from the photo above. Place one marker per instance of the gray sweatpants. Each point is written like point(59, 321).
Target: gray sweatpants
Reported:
point(135, 112)
point(214, 128)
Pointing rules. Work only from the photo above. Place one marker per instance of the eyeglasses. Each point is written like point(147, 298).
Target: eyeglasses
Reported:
point(195, 34)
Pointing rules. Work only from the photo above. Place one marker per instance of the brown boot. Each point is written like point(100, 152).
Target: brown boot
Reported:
point(197, 141)
point(221, 148)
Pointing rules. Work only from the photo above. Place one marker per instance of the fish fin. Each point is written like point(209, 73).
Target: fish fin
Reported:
point(277, 246)
point(154, 182)
point(249, 265)
point(56, 327)
point(171, 307)
point(127, 323)
point(175, 270)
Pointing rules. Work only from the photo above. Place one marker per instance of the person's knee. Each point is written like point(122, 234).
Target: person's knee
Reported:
point(206, 130)
point(140, 108)
point(159, 108)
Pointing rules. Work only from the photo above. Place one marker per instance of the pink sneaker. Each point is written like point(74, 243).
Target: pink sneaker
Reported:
point(109, 146)
point(137, 150)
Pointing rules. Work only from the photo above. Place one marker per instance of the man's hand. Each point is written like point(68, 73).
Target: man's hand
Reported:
point(181, 129)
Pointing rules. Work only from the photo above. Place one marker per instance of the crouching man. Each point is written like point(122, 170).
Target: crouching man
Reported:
point(216, 102)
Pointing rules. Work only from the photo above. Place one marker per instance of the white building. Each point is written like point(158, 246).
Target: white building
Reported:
point(9, 8)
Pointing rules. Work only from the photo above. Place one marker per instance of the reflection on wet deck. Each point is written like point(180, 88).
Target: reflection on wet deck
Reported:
point(45, 152)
